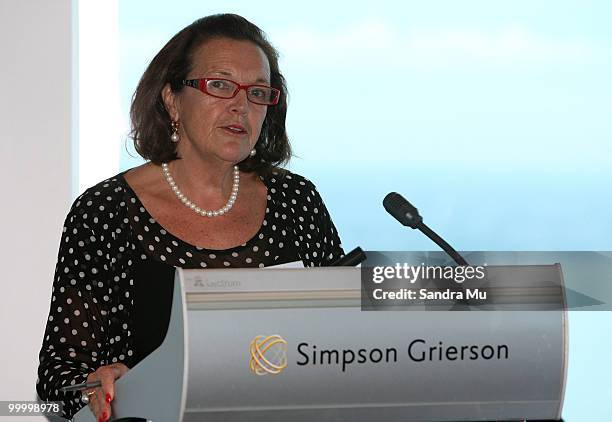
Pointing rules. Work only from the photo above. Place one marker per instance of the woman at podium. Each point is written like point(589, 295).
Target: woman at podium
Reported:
point(208, 115)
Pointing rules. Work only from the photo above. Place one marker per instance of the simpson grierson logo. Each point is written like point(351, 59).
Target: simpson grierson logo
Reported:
point(268, 355)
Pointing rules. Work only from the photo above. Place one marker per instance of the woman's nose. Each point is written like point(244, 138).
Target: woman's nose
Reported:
point(240, 102)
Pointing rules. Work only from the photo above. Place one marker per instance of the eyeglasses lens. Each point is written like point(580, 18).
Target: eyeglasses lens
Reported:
point(227, 89)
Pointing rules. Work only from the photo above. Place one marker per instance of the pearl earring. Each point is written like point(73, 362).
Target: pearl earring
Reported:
point(253, 152)
point(175, 135)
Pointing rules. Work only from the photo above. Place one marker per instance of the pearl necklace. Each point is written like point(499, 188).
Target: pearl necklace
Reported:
point(204, 213)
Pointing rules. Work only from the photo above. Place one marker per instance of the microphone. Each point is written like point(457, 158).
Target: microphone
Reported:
point(407, 214)
point(351, 259)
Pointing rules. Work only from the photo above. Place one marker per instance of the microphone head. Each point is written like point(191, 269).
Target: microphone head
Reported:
point(402, 210)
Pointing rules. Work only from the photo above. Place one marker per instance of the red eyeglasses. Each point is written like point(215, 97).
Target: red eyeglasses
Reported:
point(225, 88)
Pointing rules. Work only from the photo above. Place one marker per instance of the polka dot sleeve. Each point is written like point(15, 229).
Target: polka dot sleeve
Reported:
point(326, 236)
point(77, 335)
point(317, 236)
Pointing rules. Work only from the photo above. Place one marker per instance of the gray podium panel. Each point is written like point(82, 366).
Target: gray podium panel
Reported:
point(294, 344)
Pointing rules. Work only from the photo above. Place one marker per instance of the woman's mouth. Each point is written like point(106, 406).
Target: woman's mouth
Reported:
point(235, 130)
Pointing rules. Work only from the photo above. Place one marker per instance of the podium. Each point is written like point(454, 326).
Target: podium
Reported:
point(294, 344)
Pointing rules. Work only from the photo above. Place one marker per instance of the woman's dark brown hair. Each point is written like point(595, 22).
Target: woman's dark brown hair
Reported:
point(151, 127)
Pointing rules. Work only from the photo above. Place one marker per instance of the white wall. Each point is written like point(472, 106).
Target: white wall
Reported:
point(101, 126)
point(35, 142)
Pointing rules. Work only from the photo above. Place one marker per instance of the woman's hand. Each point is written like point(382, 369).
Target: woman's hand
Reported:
point(101, 397)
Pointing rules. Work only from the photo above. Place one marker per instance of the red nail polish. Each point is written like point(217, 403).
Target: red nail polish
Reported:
point(104, 416)
point(108, 398)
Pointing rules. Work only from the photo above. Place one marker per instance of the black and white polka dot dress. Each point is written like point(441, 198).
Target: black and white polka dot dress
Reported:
point(112, 287)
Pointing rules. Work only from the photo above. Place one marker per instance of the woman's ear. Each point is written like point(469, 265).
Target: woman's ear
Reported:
point(170, 102)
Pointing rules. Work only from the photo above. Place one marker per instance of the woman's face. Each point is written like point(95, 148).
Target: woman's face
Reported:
point(222, 129)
